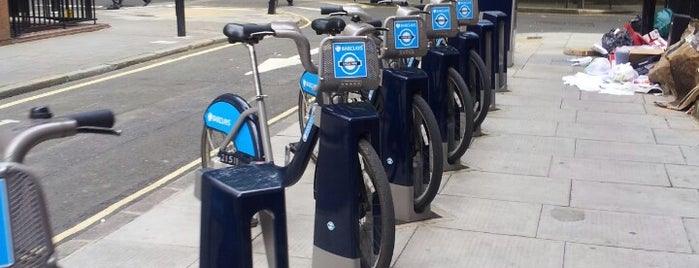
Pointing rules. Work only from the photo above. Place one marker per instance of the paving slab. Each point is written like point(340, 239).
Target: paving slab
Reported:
point(683, 176)
point(596, 96)
point(606, 133)
point(170, 223)
point(604, 107)
point(682, 122)
point(507, 162)
point(530, 189)
point(635, 198)
point(692, 227)
point(583, 256)
point(615, 120)
point(629, 151)
point(691, 154)
point(473, 249)
point(660, 111)
point(518, 126)
point(109, 253)
point(550, 114)
point(513, 100)
point(689, 137)
point(613, 229)
point(490, 216)
point(526, 144)
point(609, 171)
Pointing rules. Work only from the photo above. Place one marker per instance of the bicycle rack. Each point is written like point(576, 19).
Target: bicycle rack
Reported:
point(488, 51)
point(501, 28)
point(343, 125)
point(436, 64)
point(464, 42)
point(229, 198)
point(398, 87)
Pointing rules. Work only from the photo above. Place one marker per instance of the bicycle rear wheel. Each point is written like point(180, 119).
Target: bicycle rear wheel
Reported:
point(459, 115)
point(376, 216)
point(479, 83)
point(426, 146)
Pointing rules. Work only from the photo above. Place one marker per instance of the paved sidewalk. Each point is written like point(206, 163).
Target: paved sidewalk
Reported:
point(562, 178)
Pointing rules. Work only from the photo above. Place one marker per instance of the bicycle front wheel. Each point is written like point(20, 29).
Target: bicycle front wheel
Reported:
point(426, 146)
point(479, 84)
point(376, 217)
point(211, 139)
point(459, 117)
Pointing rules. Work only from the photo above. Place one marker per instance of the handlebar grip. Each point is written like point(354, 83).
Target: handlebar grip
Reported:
point(331, 9)
point(99, 118)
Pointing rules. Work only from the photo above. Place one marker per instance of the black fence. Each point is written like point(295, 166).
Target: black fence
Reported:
point(36, 15)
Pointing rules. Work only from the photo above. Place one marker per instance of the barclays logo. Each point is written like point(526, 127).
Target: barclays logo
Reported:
point(217, 119)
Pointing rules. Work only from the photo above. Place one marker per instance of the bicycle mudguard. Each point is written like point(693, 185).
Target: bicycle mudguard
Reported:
point(222, 114)
point(309, 83)
point(25, 232)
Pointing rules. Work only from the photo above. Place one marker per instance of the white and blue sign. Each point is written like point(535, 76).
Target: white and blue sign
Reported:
point(464, 9)
point(6, 249)
point(440, 18)
point(350, 60)
point(309, 83)
point(406, 34)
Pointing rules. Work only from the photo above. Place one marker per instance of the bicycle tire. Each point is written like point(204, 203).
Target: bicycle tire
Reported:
point(209, 140)
point(305, 103)
point(375, 253)
point(478, 83)
point(426, 144)
point(459, 113)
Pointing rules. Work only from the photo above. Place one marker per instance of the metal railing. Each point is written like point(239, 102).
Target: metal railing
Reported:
point(35, 15)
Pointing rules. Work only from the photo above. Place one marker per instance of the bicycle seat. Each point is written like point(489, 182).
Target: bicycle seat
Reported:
point(376, 23)
point(249, 33)
point(331, 26)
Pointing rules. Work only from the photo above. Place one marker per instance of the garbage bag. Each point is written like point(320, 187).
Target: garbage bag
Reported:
point(663, 19)
point(598, 66)
point(616, 38)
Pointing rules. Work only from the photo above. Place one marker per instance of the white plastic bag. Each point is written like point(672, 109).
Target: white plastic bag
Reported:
point(598, 66)
point(623, 73)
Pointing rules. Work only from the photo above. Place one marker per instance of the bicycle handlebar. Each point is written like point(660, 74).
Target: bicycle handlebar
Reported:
point(17, 138)
point(253, 33)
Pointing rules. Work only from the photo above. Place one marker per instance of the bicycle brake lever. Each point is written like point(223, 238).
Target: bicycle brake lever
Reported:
point(99, 130)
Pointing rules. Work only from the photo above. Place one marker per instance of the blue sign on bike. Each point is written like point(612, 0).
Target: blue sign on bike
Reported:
point(464, 9)
point(350, 60)
point(309, 83)
point(6, 249)
point(406, 34)
point(440, 18)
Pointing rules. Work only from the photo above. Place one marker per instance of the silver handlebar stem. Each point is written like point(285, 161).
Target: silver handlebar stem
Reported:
point(291, 30)
point(17, 147)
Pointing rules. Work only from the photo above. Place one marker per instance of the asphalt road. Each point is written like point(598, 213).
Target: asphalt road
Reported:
point(159, 110)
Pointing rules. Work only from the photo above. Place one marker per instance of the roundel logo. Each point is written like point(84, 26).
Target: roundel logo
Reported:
point(441, 20)
point(349, 63)
point(406, 37)
point(465, 11)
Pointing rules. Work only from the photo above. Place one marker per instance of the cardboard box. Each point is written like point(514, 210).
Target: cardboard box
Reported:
point(639, 53)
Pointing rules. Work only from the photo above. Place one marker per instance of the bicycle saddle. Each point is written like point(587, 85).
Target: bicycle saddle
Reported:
point(331, 26)
point(249, 33)
point(375, 22)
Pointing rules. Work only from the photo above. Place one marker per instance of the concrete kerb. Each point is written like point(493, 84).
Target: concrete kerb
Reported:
point(40, 83)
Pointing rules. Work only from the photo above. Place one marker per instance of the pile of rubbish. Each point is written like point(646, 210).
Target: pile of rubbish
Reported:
point(631, 62)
